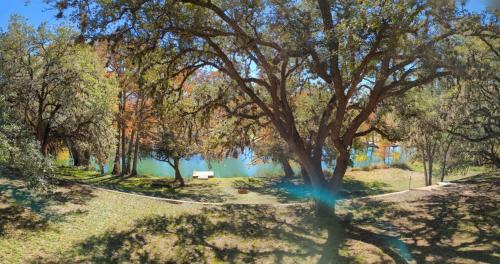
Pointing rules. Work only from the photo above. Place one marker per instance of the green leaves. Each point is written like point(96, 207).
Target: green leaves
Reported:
point(58, 90)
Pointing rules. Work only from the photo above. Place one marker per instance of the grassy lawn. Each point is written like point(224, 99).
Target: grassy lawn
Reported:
point(262, 190)
point(395, 179)
point(78, 224)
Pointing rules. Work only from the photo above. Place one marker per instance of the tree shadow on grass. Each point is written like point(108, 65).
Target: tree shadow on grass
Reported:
point(357, 188)
point(156, 187)
point(293, 191)
point(229, 234)
point(456, 224)
point(283, 191)
point(24, 209)
point(199, 192)
point(18, 217)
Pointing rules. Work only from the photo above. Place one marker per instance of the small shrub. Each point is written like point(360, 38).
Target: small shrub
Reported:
point(381, 166)
point(402, 166)
point(361, 157)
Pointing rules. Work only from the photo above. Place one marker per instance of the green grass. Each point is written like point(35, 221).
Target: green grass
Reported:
point(264, 190)
point(395, 179)
point(78, 224)
point(419, 167)
point(67, 216)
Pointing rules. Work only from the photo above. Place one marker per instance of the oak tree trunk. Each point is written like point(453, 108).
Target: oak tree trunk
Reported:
point(341, 165)
point(287, 169)
point(44, 148)
point(305, 176)
point(80, 157)
point(322, 195)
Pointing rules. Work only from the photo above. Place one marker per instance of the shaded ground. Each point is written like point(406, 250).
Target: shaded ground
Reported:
point(454, 224)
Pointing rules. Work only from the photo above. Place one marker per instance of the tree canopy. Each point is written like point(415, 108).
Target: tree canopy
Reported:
point(355, 53)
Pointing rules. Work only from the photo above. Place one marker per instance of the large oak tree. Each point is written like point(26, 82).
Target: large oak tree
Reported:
point(362, 52)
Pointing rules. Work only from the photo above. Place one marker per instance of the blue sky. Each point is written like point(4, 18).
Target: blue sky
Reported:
point(36, 11)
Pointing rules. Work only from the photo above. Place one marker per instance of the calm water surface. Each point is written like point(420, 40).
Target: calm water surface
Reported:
point(243, 166)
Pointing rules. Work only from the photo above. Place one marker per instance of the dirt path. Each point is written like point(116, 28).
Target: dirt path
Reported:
point(179, 201)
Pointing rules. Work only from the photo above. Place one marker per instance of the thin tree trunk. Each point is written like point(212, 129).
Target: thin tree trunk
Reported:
point(116, 163)
point(424, 162)
point(178, 176)
point(133, 138)
point(124, 151)
point(445, 161)
point(495, 160)
point(86, 156)
point(129, 153)
point(136, 153)
point(431, 163)
point(42, 132)
point(123, 133)
point(44, 138)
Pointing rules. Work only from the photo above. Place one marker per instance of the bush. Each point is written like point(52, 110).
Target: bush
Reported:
point(34, 168)
point(371, 167)
point(402, 166)
point(380, 166)
point(366, 168)
point(19, 151)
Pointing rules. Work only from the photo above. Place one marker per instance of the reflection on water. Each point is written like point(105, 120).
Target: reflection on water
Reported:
point(243, 165)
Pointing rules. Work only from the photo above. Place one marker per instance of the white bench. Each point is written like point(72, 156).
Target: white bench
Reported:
point(203, 175)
